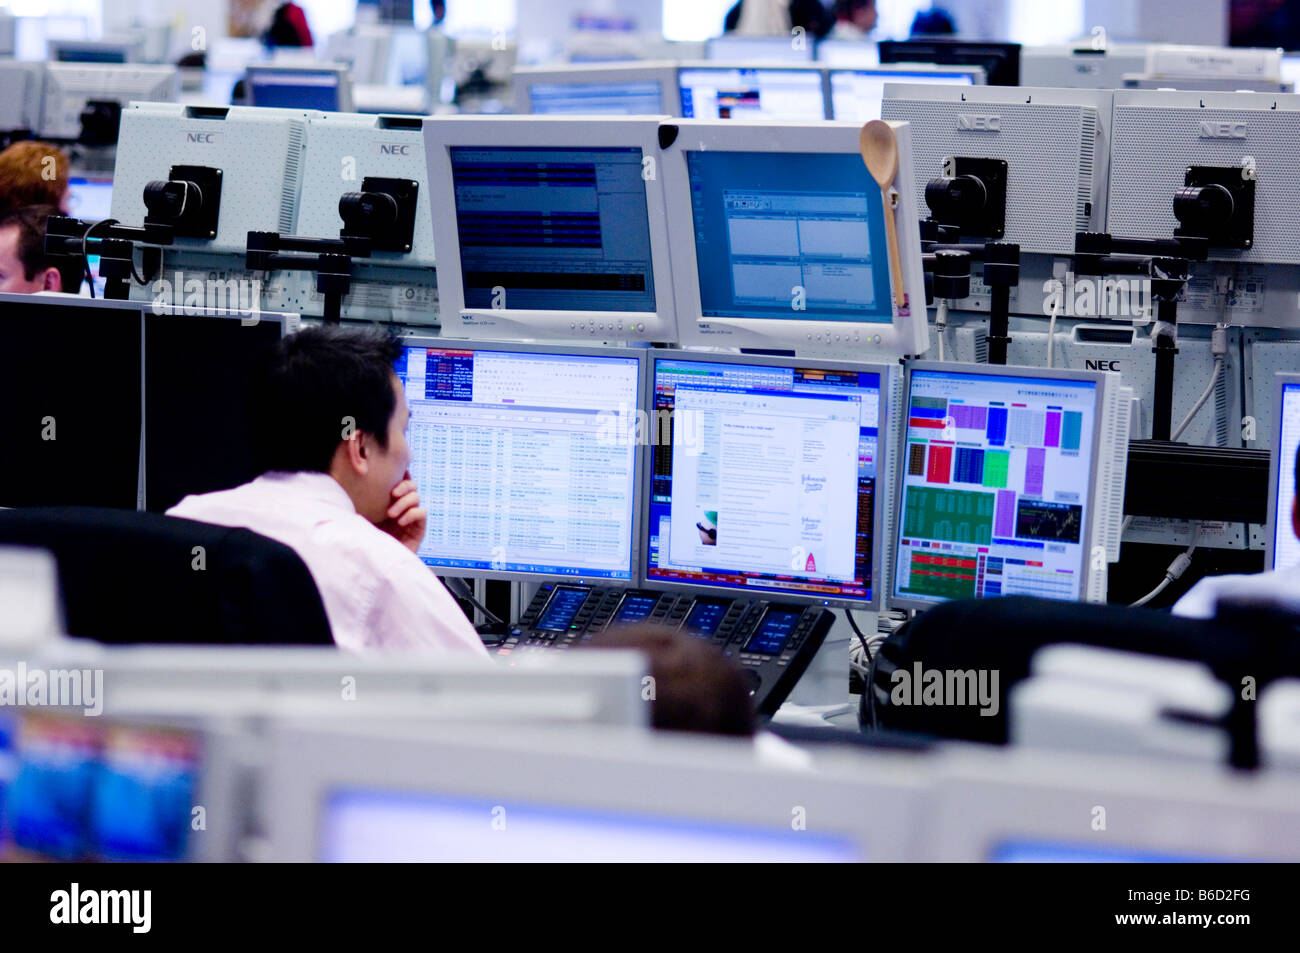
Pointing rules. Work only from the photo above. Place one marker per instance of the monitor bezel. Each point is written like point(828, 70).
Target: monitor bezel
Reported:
point(1280, 382)
point(340, 73)
point(762, 42)
point(884, 422)
point(904, 335)
point(577, 74)
point(901, 73)
point(639, 354)
point(526, 132)
point(1097, 378)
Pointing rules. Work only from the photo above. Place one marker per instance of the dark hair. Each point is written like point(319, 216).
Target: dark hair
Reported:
point(317, 382)
point(30, 222)
point(696, 688)
point(844, 9)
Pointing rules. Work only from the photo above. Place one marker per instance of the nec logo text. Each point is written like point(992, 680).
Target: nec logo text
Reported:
point(1102, 365)
point(972, 123)
point(205, 138)
point(1221, 130)
point(394, 150)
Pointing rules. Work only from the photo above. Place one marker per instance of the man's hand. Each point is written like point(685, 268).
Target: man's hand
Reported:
point(407, 519)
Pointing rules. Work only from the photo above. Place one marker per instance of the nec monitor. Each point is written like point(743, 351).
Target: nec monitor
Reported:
point(848, 53)
point(783, 240)
point(856, 94)
point(73, 422)
point(1001, 61)
point(1081, 67)
point(1283, 549)
point(728, 92)
point(322, 88)
point(1005, 483)
point(95, 51)
point(1041, 155)
point(766, 476)
point(760, 49)
point(550, 227)
point(526, 458)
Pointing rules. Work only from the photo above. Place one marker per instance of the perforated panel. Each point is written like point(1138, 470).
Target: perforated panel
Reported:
point(1152, 146)
point(1050, 151)
point(342, 150)
point(259, 152)
point(1264, 359)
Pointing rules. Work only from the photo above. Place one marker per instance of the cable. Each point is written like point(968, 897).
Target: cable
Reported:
point(460, 588)
point(85, 258)
point(1051, 330)
point(941, 322)
point(1175, 570)
point(1196, 407)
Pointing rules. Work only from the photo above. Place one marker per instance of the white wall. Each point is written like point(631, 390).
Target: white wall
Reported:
point(1164, 21)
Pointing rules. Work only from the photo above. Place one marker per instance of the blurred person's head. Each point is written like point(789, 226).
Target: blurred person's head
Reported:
point(288, 27)
point(33, 173)
point(24, 266)
point(859, 13)
point(330, 402)
point(696, 688)
point(934, 22)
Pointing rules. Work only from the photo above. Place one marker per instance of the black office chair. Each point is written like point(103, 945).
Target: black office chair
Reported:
point(129, 577)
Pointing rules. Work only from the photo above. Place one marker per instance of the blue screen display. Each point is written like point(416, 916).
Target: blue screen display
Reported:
point(553, 229)
point(798, 236)
point(296, 91)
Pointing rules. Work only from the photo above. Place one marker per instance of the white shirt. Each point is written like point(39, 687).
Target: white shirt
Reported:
point(377, 593)
point(1281, 586)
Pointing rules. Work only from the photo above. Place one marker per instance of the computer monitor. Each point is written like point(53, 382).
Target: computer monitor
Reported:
point(323, 87)
point(848, 53)
point(626, 89)
point(570, 794)
point(760, 49)
point(33, 34)
point(70, 87)
point(198, 370)
point(766, 477)
point(1001, 61)
point(259, 153)
point(1010, 482)
point(90, 199)
point(351, 153)
point(527, 458)
point(24, 85)
point(1282, 549)
point(1053, 143)
point(728, 92)
point(1024, 806)
point(1291, 69)
point(1232, 141)
point(558, 228)
point(95, 51)
point(1081, 67)
point(75, 436)
point(856, 94)
point(785, 240)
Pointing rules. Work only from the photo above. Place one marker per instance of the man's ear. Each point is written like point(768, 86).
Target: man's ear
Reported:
point(358, 453)
point(53, 281)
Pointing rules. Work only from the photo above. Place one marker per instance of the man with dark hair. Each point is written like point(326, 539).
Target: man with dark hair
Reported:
point(24, 267)
point(330, 433)
point(1281, 585)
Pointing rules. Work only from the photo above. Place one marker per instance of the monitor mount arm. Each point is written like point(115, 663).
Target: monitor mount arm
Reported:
point(330, 259)
point(1167, 263)
point(114, 244)
point(947, 270)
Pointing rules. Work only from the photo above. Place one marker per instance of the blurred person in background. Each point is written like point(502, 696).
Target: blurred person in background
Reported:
point(288, 27)
point(24, 267)
point(33, 173)
point(854, 19)
point(778, 18)
point(934, 22)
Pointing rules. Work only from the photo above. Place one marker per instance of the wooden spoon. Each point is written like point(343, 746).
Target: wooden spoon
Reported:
point(880, 156)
